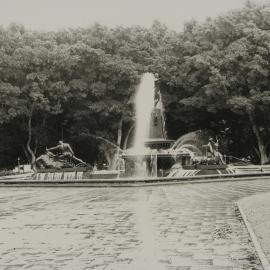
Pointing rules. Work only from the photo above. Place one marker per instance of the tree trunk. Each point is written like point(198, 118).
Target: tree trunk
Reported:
point(261, 146)
point(119, 139)
point(108, 158)
point(119, 133)
point(127, 137)
point(26, 154)
point(28, 144)
point(36, 146)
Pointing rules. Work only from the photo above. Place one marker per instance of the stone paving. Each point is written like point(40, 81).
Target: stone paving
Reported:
point(184, 227)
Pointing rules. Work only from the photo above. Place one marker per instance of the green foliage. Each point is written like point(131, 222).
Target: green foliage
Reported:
point(81, 82)
point(219, 68)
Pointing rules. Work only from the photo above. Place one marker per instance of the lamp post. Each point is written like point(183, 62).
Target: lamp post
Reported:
point(19, 170)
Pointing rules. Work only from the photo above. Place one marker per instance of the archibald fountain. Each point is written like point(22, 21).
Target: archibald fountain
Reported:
point(152, 155)
point(149, 156)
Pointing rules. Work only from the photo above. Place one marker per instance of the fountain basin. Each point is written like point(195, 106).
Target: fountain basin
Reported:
point(74, 174)
point(134, 182)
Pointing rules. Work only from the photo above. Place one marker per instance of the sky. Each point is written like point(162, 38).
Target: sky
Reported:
point(61, 14)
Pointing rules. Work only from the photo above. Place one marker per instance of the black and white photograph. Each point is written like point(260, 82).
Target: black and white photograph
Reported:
point(134, 135)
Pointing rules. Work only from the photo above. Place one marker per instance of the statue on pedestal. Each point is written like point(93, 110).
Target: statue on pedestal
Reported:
point(213, 148)
point(60, 156)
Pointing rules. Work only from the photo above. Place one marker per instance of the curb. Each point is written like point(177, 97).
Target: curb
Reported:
point(124, 183)
point(254, 239)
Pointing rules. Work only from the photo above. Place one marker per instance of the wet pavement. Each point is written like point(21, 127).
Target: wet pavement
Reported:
point(184, 227)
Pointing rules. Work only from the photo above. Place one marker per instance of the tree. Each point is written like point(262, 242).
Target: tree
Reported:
point(79, 84)
point(224, 70)
point(36, 86)
point(101, 97)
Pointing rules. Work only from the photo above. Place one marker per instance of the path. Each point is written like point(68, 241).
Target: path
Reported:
point(184, 227)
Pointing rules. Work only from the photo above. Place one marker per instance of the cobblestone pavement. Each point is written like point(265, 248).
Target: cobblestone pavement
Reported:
point(193, 226)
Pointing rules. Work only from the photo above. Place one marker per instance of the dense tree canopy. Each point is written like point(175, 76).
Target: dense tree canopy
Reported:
point(79, 85)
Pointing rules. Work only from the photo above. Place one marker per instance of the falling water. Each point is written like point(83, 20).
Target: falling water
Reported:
point(144, 105)
point(192, 142)
point(144, 102)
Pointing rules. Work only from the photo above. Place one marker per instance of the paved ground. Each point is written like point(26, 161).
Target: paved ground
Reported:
point(193, 226)
point(257, 212)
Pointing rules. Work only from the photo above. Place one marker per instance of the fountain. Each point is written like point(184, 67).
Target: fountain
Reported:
point(152, 154)
point(149, 156)
point(144, 103)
